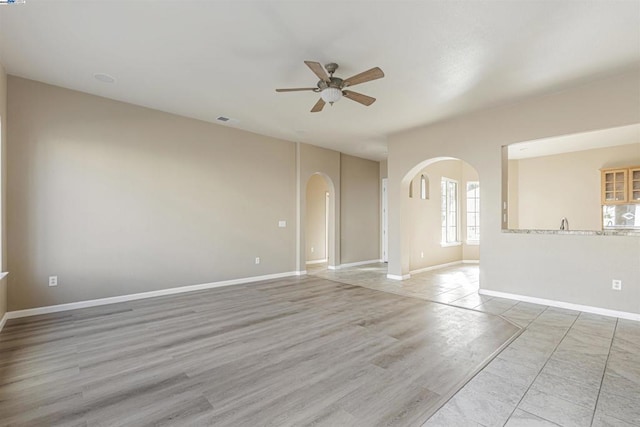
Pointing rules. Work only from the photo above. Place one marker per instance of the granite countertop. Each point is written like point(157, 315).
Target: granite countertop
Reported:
point(577, 232)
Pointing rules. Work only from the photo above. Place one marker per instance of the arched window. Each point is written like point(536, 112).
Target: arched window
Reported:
point(424, 187)
point(411, 190)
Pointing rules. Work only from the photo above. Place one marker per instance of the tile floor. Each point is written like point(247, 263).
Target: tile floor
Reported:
point(567, 368)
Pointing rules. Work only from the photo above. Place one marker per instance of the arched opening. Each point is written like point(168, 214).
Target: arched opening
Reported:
point(442, 226)
point(319, 222)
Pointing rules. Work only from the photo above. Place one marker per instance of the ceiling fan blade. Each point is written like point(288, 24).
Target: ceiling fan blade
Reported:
point(358, 97)
point(365, 76)
point(318, 70)
point(296, 89)
point(319, 106)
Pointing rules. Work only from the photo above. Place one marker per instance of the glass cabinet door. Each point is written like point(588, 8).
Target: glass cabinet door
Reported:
point(634, 185)
point(615, 186)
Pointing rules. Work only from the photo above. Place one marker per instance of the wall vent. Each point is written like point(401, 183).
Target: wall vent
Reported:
point(223, 119)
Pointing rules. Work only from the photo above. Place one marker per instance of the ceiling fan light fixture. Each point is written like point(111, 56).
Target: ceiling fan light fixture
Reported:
point(330, 87)
point(331, 95)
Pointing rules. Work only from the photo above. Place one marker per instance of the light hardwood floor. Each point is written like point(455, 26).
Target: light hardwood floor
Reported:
point(300, 351)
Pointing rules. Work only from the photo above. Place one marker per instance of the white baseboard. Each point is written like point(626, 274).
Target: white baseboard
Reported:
point(3, 321)
point(355, 264)
point(397, 277)
point(435, 267)
point(333, 267)
point(430, 268)
point(132, 297)
point(562, 304)
point(317, 261)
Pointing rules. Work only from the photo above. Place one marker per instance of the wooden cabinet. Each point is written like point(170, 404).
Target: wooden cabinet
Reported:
point(614, 186)
point(620, 185)
point(634, 185)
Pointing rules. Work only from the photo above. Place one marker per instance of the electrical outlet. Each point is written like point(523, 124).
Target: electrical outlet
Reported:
point(616, 285)
point(421, 254)
point(282, 224)
point(257, 260)
point(53, 280)
point(311, 249)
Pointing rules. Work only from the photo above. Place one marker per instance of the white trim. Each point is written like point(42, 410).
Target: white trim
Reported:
point(333, 267)
point(396, 277)
point(562, 304)
point(435, 267)
point(449, 244)
point(355, 264)
point(471, 261)
point(473, 242)
point(3, 321)
point(384, 221)
point(300, 273)
point(143, 295)
point(317, 261)
point(5, 316)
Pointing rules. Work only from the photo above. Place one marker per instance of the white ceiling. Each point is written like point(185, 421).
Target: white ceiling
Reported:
point(203, 59)
point(622, 135)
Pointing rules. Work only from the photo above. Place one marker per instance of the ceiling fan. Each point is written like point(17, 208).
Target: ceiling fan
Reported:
point(331, 88)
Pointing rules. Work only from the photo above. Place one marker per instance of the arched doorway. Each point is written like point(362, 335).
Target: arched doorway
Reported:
point(319, 227)
point(440, 211)
point(317, 221)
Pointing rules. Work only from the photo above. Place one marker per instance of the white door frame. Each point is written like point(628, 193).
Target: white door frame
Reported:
point(326, 225)
point(384, 232)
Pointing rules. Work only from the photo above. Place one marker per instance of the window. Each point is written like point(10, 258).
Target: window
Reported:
point(449, 189)
point(473, 212)
point(424, 187)
point(411, 190)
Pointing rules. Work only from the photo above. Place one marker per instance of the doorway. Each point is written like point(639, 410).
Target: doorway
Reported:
point(317, 221)
point(443, 215)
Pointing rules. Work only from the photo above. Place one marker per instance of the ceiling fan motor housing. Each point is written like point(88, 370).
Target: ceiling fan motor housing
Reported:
point(333, 82)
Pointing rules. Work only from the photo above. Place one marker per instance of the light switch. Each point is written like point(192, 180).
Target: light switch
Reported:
point(282, 224)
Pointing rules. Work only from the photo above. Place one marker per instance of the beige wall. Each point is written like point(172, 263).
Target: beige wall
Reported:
point(425, 217)
point(116, 199)
point(570, 268)
point(316, 216)
point(566, 185)
point(360, 209)
point(3, 192)
point(383, 169)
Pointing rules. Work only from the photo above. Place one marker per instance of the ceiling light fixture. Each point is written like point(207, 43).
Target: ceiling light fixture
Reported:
point(331, 88)
point(331, 95)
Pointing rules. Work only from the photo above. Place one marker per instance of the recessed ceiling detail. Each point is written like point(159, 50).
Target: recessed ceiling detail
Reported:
point(104, 78)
